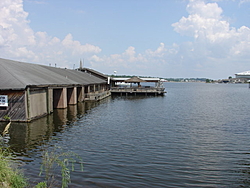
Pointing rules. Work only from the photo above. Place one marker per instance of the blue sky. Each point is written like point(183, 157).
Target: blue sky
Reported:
point(165, 38)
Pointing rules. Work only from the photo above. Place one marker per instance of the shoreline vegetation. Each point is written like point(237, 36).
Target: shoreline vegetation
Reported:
point(10, 176)
point(166, 79)
point(202, 80)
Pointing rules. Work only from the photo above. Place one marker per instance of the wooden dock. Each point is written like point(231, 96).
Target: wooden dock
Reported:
point(137, 91)
point(125, 86)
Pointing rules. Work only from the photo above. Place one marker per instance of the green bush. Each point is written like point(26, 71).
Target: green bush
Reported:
point(9, 175)
point(41, 185)
point(63, 160)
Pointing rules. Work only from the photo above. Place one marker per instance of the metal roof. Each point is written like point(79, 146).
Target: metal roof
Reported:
point(244, 73)
point(119, 79)
point(94, 72)
point(19, 75)
point(134, 79)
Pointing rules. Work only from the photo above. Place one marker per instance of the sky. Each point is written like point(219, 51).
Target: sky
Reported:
point(160, 38)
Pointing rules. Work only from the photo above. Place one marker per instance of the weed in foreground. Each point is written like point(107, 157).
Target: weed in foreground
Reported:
point(52, 160)
point(9, 175)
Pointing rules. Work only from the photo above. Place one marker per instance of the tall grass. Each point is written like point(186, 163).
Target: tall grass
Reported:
point(53, 161)
point(10, 177)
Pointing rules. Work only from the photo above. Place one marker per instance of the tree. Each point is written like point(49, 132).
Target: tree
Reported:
point(208, 80)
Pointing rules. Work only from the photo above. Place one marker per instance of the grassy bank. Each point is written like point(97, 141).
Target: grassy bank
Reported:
point(10, 177)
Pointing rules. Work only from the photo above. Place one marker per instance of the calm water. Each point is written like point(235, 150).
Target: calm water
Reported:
point(198, 135)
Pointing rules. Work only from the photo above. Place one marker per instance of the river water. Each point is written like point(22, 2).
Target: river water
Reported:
point(197, 135)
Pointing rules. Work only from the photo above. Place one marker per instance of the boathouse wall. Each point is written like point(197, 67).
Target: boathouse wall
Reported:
point(33, 103)
point(36, 103)
point(34, 90)
point(16, 109)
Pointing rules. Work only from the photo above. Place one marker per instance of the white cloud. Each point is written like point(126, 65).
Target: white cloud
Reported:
point(216, 43)
point(159, 52)
point(244, 1)
point(204, 20)
point(209, 10)
point(19, 41)
point(148, 62)
point(96, 58)
point(14, 24)
point(213, 45)
point(77, 48)
point(241, 45)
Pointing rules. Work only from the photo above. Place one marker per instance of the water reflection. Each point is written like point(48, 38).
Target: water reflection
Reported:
point(185, 139)
point(27, 136)
point(137, 97)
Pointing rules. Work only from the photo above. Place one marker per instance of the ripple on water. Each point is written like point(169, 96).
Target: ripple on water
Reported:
point(198, 135)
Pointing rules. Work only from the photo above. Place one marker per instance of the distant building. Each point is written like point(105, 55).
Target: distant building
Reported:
point(245, 74)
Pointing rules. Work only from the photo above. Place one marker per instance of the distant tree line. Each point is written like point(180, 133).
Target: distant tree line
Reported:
point(168, 79)
point(186, 79)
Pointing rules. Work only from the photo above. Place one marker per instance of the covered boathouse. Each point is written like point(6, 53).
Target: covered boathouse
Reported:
point(133, 86)
point(29, 91)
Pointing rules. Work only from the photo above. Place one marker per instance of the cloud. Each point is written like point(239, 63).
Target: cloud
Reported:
point(77, 48)
point(212, 46)
point(244, 1)
point(153, 61)
point(209, 10)
point(36, 2)
point(124, 60)
point(204, 20)
point(159, 52)
point(14, 25)
point(205, 24)
point(215, 42)
point(18, 41)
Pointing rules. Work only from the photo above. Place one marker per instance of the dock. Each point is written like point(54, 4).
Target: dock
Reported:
point(125, 86)
point(30, 91)
point(137, 91)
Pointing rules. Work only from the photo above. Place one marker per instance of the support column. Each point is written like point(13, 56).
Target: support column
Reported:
point(80, 94)
point(27, 92)
point(72, 95)
point(87, 92)
point(49, 100)
point(60, 98)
